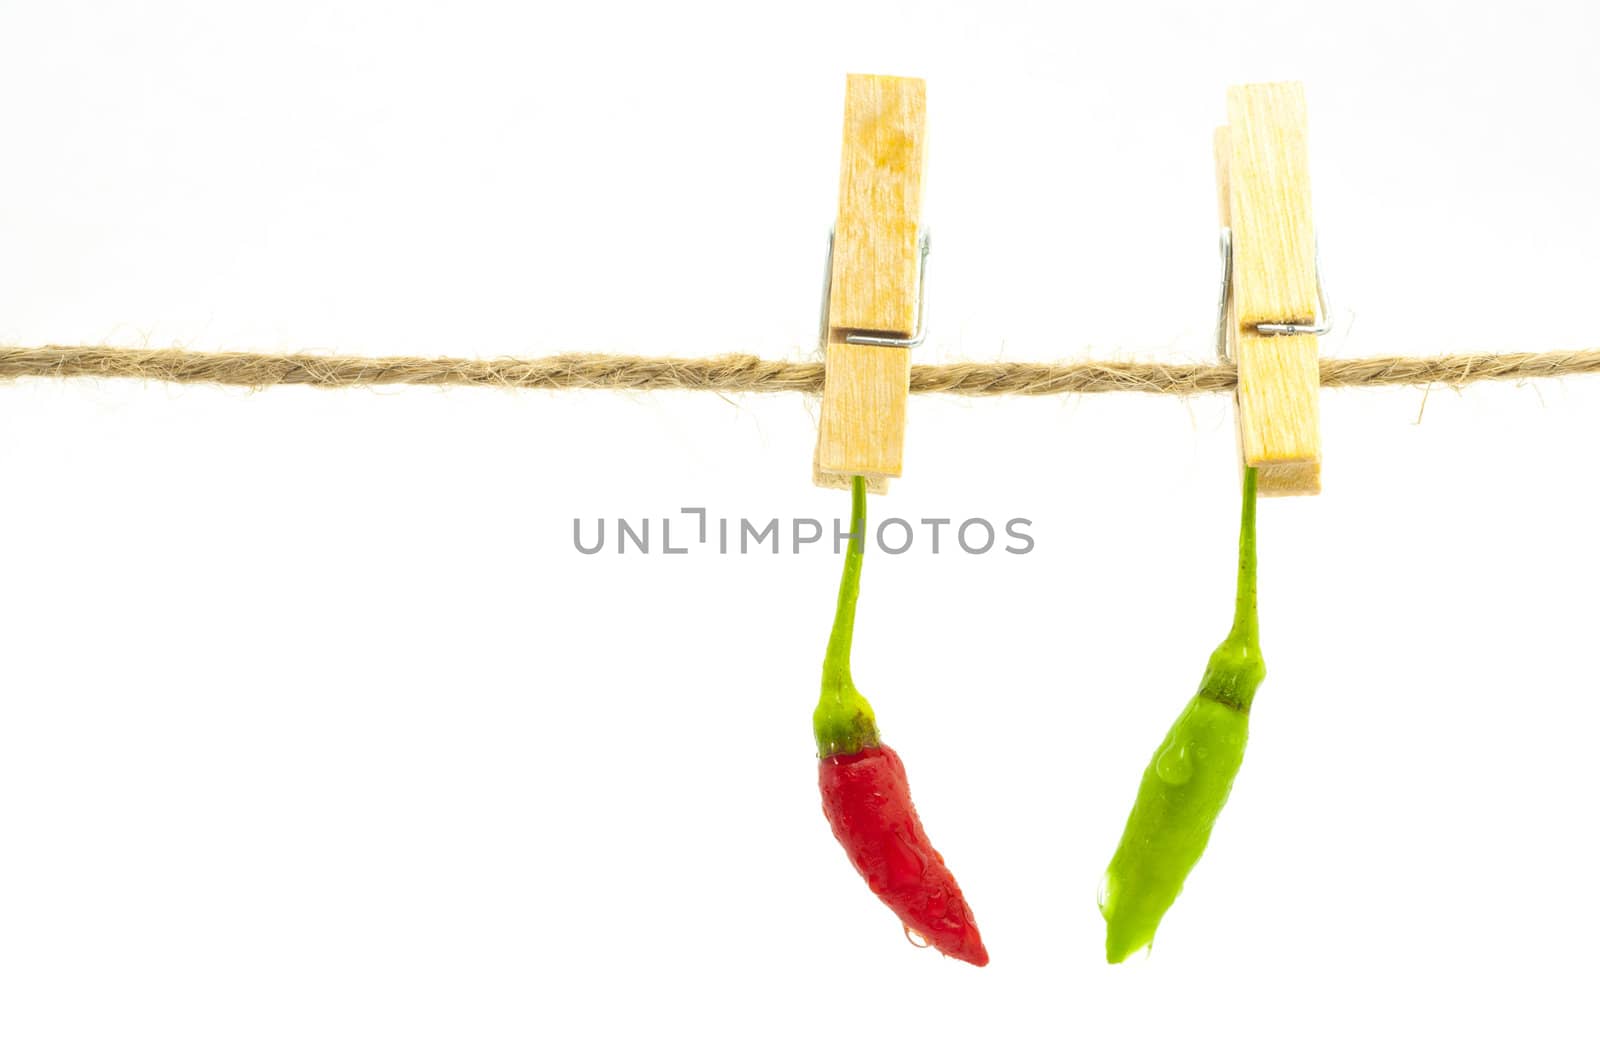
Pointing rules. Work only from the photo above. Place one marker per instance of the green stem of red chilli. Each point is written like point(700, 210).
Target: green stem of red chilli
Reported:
point(836, 663)
point(843, 721)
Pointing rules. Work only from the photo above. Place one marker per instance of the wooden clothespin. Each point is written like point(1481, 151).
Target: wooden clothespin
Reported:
point(1271, 320)
point(874, 302)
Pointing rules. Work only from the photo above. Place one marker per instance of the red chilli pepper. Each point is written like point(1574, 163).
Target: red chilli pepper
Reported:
point(865, 794)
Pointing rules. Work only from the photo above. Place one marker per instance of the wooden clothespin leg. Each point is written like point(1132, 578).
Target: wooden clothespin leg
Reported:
point(1264, 197)
point(875, 282)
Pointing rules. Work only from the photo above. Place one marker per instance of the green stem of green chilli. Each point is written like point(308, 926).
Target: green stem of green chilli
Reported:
point(1245, 625)
point(1236, 668)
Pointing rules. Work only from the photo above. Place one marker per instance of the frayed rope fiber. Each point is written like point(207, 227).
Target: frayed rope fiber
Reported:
point(746, 373)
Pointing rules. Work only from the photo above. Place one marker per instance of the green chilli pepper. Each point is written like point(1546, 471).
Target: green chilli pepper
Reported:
point(1187, 782)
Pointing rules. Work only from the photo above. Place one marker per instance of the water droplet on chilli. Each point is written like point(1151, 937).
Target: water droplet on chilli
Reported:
point(1174, 764)
point(915, 938)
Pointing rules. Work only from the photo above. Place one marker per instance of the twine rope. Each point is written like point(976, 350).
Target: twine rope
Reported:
point(747, 373)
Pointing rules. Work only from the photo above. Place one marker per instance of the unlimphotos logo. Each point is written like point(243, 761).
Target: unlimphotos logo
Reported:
point(693, 530)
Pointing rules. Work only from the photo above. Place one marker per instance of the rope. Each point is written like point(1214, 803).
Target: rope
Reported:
point(746, 373)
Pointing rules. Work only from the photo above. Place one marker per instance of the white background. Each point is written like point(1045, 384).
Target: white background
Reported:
point(318, 739)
